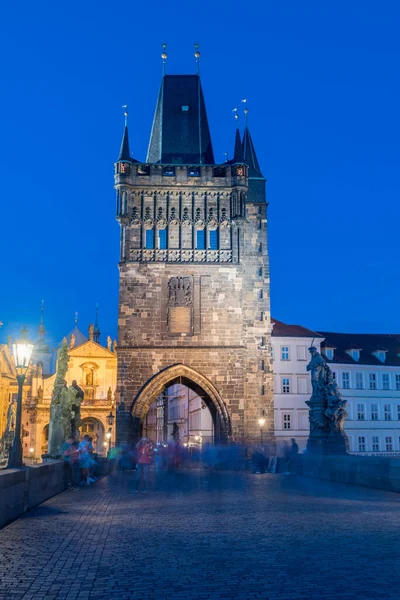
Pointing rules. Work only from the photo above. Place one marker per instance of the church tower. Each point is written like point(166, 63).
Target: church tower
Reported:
point(194, 299)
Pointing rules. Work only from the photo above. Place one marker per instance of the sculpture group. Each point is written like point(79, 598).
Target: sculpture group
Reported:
point(327, 410)
point(65, 406)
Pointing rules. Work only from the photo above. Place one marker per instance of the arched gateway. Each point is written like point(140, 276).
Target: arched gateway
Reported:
point(195, 381)
point(193, 272)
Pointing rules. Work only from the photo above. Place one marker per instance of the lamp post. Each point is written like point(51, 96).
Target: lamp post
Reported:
point(261, 422)
point(22, 352)
point(110, 421)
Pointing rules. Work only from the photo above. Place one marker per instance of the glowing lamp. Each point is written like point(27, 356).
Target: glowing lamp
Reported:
point(261, 422)
point(108, 435)
point(22, 351)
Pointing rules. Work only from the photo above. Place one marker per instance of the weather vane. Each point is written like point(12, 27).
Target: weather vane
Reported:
point(197, 57)
point(246, 110)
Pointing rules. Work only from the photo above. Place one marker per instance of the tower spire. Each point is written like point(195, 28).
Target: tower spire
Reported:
point(96, 331)
point(41, 328)
point(124, 152)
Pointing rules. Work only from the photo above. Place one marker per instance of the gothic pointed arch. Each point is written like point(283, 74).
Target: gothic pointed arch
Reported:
point(180, 373)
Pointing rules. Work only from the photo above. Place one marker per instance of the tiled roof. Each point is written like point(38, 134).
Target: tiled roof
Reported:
point(367, 343)
point(281, 329)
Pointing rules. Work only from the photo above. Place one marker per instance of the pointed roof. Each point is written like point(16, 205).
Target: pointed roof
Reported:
point(180, 132)
point(238, 152)
point(250, 156)
point(124, 152)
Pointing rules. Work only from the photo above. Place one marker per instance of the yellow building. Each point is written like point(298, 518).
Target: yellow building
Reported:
point(7, 382)
point(94, 368)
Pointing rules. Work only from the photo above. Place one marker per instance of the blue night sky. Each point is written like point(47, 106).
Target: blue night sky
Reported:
point(322, 81)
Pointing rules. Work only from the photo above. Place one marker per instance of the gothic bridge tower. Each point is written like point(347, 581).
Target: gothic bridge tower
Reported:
point(194, 300)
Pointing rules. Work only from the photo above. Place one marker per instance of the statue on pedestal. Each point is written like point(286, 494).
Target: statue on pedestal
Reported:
point(327, 409)
point(64, 407)
point(8, 436)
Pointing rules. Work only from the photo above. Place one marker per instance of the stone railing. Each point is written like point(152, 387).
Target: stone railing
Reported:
point(381, 472)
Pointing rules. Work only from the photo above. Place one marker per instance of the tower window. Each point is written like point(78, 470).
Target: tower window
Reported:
point(260, 248)
point(213, 239)
point(162, 239)
point(200, 239)
point(260, 271)
point(169, 171)
point(194, 172)
point(149, 239)
point(259, 224)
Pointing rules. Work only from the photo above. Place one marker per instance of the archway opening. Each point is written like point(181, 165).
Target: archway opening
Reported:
point(95, 428)
point(180, 414)
point(180, 403)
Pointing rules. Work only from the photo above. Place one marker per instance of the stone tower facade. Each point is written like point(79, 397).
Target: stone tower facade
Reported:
point(194, 299)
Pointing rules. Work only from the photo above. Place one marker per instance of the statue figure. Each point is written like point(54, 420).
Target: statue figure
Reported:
point(109, 342)
point(64, 407)
point(8, 436)
point(91, 332)
point(40, 393)
point(317, 367)
point(115, 346)
point(71, 342)
point(327, 409)
point(109, 395)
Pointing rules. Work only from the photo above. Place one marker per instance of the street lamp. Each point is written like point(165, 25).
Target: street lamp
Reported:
point(261, 422)
point(22, 352)
point(110, 421)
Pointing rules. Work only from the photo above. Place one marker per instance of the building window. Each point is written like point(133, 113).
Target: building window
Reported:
point(387, 412)
point(285, 385)
point(260, 249)
point(262, 390)
point(200, 239)
point(301, 353)
point(389, 443)
point(346, 381)
point(286, 421)
point(185, 108)
point(329, 353)
point(262, 366)
point(334, 375)
point(361, 444)
point(360, 412)
point(149, 239)
point(261, 316)
point(397, 381)
point(213, 239)
point(285, 353)
point(398, 412)
point(162, 239)
point(260, 274)
point(375, 444)
point(355, 355)
point(260, 294)
point(372, 381)
point(385, 381)
point(359, 381)
point(262, 342)
point(374, 412)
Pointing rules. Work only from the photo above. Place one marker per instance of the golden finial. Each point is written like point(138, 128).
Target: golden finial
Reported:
point(164, 56)
point(197, 56)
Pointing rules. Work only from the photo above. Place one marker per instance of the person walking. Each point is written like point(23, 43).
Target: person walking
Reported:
point(145, 451)
point(292, 455)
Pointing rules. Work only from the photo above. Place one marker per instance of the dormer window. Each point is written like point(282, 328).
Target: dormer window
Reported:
point(329, 352)
point(380, 355)
point(355, 355)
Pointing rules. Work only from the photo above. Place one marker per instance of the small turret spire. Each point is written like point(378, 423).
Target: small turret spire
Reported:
point(238, 151)
point(41, 328)
point(96, 330)
point(76, 318)
point(124, 152)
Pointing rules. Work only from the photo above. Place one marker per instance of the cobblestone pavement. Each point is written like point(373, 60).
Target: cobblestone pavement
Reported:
point(206, 536)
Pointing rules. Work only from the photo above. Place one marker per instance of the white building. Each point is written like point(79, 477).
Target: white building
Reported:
point(367, 369)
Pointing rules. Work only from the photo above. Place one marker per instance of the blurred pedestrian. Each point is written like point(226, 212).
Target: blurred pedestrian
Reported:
point(145, 452)
point(292, 456)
